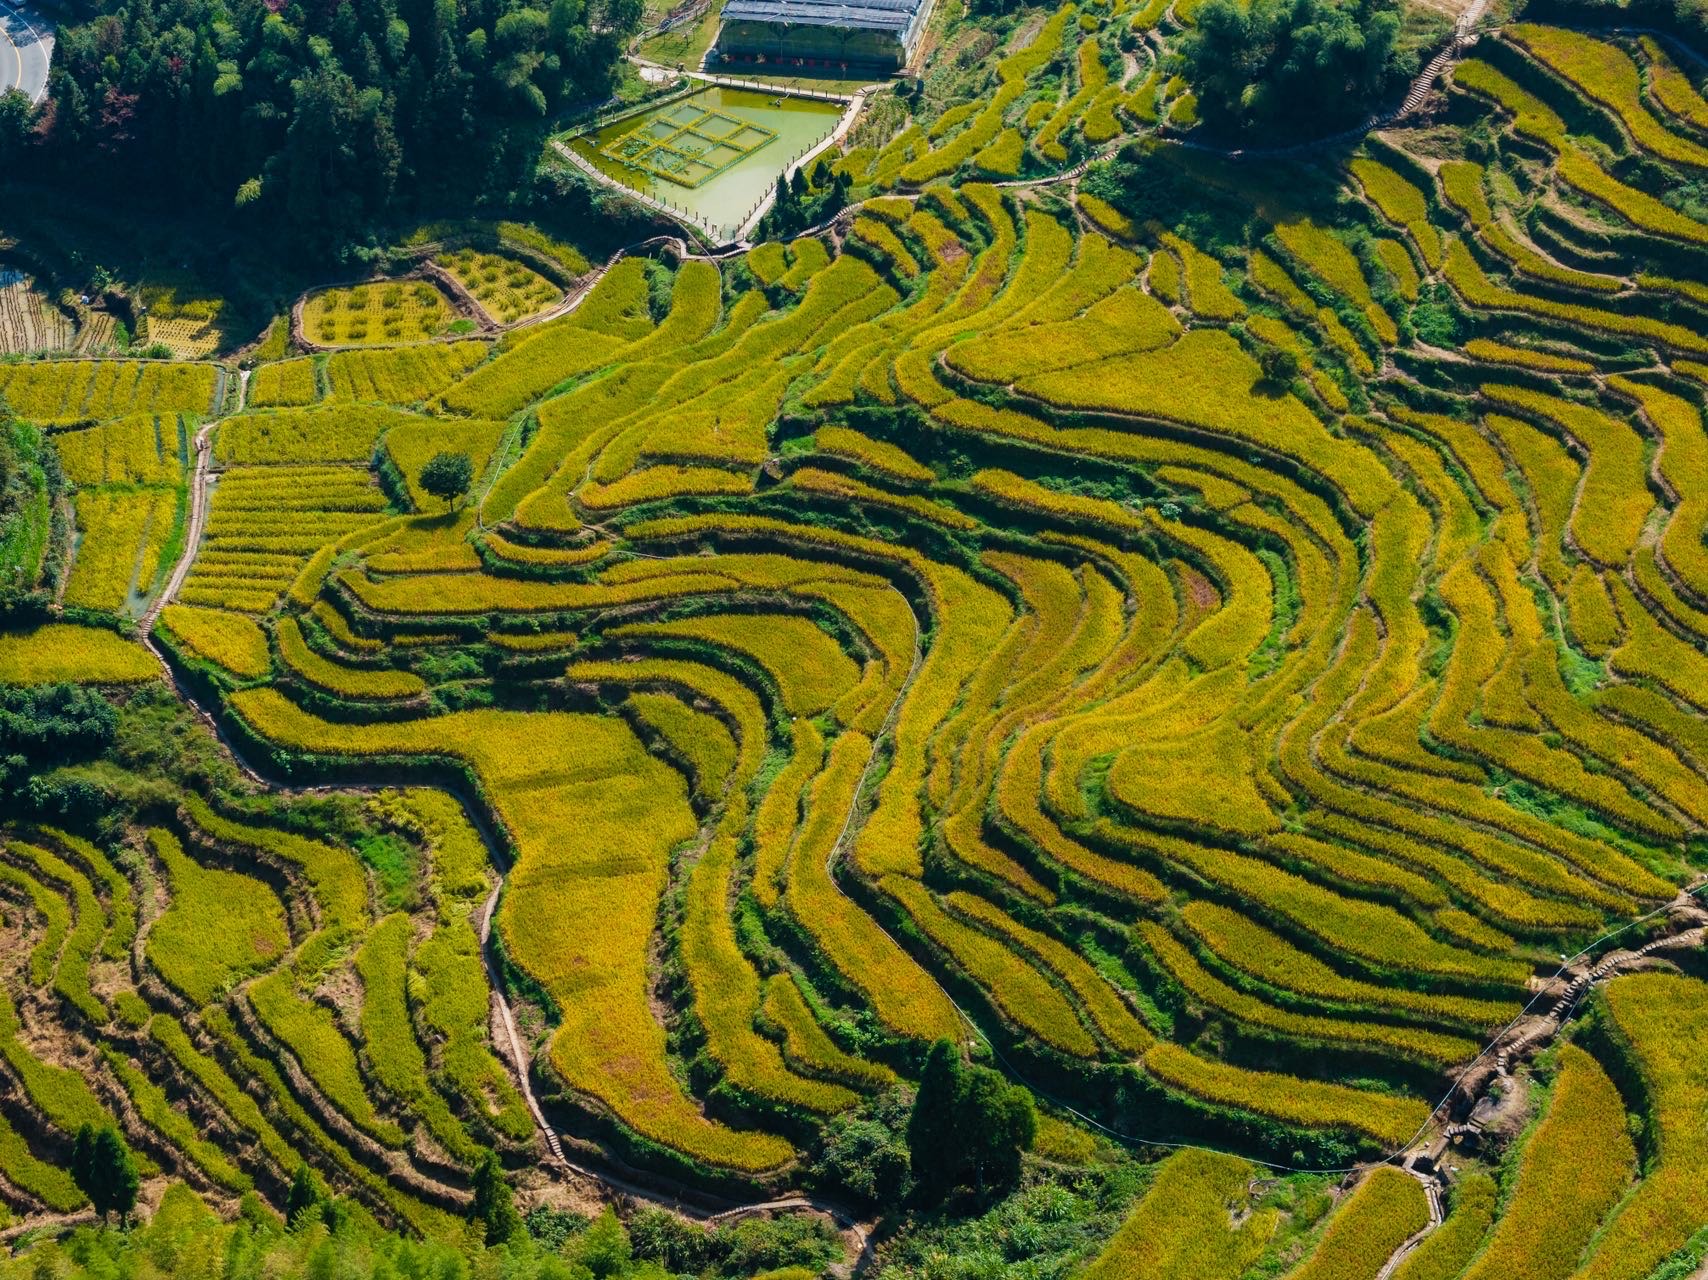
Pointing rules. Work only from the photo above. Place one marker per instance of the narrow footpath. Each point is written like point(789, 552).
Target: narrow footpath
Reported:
point(199, 483)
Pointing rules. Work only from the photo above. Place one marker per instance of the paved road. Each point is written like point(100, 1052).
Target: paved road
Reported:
point(26, 48)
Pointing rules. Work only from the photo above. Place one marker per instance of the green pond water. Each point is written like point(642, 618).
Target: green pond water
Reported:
point(715, 154)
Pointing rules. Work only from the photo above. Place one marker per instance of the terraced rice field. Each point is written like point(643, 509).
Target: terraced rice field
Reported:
point(968, 634)
point(83, 391)
point(29, 321)
point(380, 313)
point(174, 314)
point(506, 290)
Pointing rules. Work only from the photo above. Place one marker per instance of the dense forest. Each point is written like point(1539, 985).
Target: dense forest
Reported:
point(323, 117)
point(1293, 67)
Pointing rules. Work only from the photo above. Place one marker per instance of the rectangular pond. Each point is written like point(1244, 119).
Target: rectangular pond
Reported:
point(715, 154)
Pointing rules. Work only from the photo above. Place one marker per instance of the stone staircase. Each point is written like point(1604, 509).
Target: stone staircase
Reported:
point(1608, 966)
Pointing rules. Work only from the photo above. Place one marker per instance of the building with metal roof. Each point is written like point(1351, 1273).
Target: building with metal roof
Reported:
point(863, 34)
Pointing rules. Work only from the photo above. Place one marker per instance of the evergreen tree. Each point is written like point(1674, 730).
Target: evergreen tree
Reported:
point(83, 1161)
point(494, 1207)
point(104, 1170)
point(931, 1126)
point(996, 1122)
point(785, 214)
point(304, 1195)
point(119, 1177)
point(968, 1127)
point(322, 191)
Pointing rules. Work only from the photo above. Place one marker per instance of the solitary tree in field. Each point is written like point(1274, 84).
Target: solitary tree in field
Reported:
point(447, 475)
point(104, 1170)
point(1280, 366)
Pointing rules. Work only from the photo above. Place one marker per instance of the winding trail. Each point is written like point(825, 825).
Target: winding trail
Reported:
point(1530, 1039)
point(507, 1020)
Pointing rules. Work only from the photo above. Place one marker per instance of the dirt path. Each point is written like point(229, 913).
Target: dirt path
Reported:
point(193, 533)
point(198, 519)
point(68, 517)
point(37, 1222)
point(518, 1056)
